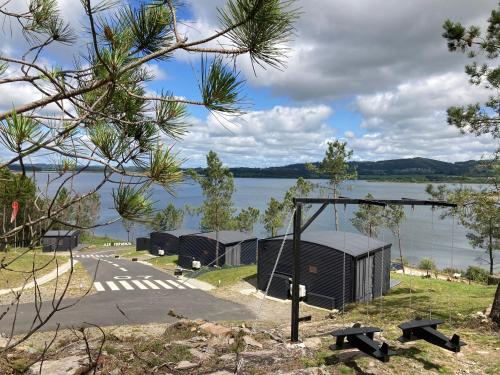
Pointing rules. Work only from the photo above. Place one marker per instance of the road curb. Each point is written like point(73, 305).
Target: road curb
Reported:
point(43, 279)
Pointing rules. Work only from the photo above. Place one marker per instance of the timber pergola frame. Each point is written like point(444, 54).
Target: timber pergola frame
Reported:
point(298, 228)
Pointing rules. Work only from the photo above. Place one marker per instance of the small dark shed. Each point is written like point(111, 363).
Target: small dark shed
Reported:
point(235, 248)
point(326, 256)
point(60, 240)
point(142, 243)
point(168, 240)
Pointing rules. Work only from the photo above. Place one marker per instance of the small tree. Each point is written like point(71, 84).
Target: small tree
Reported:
point(217, 210)
point(368, 219)
point(246, 219)
point(274, 216)
point(303, 189)
point(170, 218)
point(427, 265)
point(394, 215)
point(336, 168)
point(478, 211)
point(276, 212)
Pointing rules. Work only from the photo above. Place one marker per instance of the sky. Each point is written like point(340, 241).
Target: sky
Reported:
point(376, 74)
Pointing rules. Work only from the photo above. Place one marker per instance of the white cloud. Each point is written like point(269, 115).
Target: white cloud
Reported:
point(410, 121)
point(391, 58)
point(281, 135)
point(156, 72)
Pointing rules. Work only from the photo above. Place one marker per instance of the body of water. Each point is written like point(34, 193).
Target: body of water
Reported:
point(424, 234)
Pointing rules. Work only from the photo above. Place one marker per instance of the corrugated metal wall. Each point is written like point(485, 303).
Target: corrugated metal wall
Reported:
point(164, 241)
point(203, 249)
point(199, 248)
point(249, 252)
point(142, 243)
point(381, 276)
point(321, 268)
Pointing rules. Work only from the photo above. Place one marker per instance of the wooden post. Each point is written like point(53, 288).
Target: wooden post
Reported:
point(297, 219)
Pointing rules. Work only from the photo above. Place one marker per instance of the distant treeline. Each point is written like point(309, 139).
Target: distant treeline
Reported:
point(415, 169)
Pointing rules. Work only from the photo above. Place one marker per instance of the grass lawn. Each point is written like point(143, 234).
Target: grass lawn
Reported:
point(168, 262)
point(97, 240)
point(440, 299)
point(14, 274)
point(228, 276)
point(128, 252)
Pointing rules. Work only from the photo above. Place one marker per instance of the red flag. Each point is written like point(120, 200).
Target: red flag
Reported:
point(15, 209)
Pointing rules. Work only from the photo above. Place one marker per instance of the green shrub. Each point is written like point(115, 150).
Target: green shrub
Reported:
point(427, 265)
point(477, 274)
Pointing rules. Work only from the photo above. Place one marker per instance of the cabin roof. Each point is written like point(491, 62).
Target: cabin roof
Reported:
point(228, 237)
point(353, 244)
point(60, 233)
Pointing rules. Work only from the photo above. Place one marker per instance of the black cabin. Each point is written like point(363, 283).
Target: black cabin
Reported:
point(326, 256)
point(235, 248)
point(142, 243)
point(60, 240)
point(168, 240)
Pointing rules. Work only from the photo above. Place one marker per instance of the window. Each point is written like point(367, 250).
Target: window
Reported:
point(313, 269)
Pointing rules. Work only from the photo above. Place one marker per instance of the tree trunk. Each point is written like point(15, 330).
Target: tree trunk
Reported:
point(495, 309)
point(490, 246)
point(400, 250)
point(217, 248)
point(335, 212)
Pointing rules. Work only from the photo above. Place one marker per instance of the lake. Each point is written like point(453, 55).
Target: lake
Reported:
point(424, 234)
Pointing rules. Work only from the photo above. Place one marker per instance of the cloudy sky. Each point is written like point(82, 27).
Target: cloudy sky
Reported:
point(374, 73)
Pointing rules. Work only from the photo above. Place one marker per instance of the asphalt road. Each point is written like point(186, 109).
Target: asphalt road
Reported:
point(127, 293)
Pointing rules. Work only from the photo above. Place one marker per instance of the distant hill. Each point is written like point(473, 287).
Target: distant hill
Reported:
point(415, 169)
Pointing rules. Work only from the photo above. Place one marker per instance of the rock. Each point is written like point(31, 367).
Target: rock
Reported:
point(64, 366)
point(219, 342)
point(198, 354)
point(259, 354)
point(215, 329)
point(249, 340)
point(223, 372)
point(229, 357)
point(27, 349)
point(185, 365)
point(116, 371)
point(313, 343)
point(3, 342)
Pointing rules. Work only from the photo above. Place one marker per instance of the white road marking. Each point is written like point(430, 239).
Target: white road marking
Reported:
point(126, 285)
point(139, 284)
point(166, 286)
point(112, 285)
point(99, 286)
point(151, 285)
point(114, 264)
point(123, 269)
point(177, 285)
point(188, 285)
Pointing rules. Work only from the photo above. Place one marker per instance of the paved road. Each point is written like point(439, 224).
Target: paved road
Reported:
point(129, 293)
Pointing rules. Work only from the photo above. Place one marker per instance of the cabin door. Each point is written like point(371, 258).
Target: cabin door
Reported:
point(233, 255)
point(364, 278)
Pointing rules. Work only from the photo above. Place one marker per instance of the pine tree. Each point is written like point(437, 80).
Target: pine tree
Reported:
point(481, 118)
point(369, 218)
point(170, 218)
point(246, 219)
point(336, 168)
point(274, 216)
point(217, 210)
point(394, 215)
